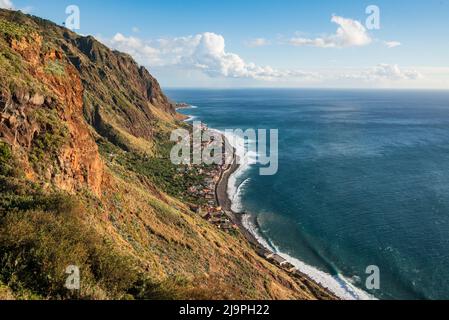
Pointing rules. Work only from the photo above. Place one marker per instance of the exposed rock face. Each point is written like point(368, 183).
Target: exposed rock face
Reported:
point(76, 116)
point(89, 87)
point(78, 163)
point(112, 78)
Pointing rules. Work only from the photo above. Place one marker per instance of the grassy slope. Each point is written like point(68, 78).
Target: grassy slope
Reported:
point(135, 237)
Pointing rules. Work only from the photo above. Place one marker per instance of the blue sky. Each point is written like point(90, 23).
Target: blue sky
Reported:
point(287, 43)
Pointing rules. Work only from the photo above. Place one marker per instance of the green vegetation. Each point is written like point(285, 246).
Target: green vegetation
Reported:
point(53, 136)
point(13, 73)
point(55, 68)
point(14, 30)
point(11, 69)
point(172, 179)
point(37, 246)
point(41, 233)
point(5, 293)
point(5, 159)
point(10, 63)
point(125, 228)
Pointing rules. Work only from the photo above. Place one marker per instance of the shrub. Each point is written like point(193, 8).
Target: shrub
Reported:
point(159, 169)
point(55, 68)
point(14, 30)
point(147, 289)
point(5, 159)
point(53, 136)
point(42, 233)
point(37, 245)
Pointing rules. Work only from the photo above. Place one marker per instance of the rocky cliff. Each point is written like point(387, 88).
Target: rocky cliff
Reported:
point(85, 180)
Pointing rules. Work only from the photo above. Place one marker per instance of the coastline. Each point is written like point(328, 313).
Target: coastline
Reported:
point(240, 221)
point(223, 200)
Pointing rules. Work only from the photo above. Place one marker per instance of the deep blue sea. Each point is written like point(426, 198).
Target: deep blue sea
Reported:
point(363, 180)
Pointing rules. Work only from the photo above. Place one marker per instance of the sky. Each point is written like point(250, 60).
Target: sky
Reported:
point(271, 43)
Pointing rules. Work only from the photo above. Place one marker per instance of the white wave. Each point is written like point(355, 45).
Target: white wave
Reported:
point(247, 158)
point(246, 221)
point(190, 119)
point(339, 285)
point(236, 200)
point(238, 143)
point(193, 107)
point(245, 148)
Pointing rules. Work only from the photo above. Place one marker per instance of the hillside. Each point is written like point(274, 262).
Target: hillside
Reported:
point(86, 180)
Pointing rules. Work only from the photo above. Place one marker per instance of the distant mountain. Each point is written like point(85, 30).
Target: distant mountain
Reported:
point(86, 181)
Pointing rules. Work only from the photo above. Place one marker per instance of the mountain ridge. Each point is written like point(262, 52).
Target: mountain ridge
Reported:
point(86, 180)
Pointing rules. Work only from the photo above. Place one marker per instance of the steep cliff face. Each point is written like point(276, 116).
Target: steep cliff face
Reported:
point(42, 115)
point(85, 180)
point(54, 72)
point(122, 100)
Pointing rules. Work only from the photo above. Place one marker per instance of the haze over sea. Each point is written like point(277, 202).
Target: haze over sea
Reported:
point(363, 180)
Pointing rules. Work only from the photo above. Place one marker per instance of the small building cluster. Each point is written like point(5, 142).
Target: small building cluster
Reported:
point(216, 216)
point(276, 260)
point(206, 189)
point(219, 218)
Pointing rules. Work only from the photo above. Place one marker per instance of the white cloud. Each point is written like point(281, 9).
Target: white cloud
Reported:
point(393, 72)
point(383, 72)
point(140, 50)
point(204, 52)
point(350, 33)
point(392, 44)
point(135, 30)
point(6, 4)
point(258, 42)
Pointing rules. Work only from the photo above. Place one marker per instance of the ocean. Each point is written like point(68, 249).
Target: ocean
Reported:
point(363, 181)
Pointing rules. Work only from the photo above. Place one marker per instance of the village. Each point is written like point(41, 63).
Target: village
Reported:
point(213, 206)
point(212, 212)
point(209, 209)
point(217, 216)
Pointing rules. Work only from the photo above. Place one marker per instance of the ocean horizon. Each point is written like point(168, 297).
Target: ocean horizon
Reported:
point(362, 181)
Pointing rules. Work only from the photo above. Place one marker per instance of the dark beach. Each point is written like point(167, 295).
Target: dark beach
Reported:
point(222, 198)
point(221, 193)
